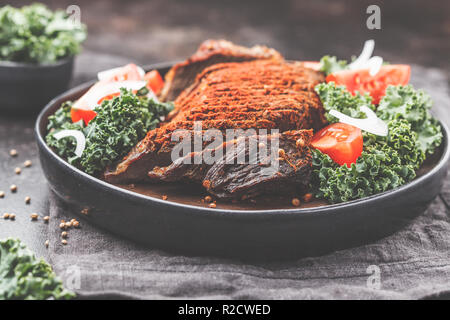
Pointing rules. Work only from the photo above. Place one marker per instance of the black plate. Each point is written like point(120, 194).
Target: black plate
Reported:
point(261, 234)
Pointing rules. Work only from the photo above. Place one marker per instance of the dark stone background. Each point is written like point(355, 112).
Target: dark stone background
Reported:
point(413, 32)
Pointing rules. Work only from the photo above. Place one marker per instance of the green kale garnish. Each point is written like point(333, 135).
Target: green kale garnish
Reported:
point(386, 162)
point(119, 125)
point(330, 64)
point(34, 34)
point(338, 98)
point(22, 276)
point(404, 102)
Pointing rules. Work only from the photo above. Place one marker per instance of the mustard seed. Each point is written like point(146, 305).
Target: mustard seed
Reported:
point(64, 234)
point(27, 163)
point(208, 199)
point(64, 241)
point(46, 219)
point(76, 224)
point(27, 200)
point(13, 152)
point(2, 194)
point(62, 225)
point(212, 205)
point(17, 170)
point(13, 188)
point(34, 216)
point(6, 216)
point(164, 197)
point(46, 243)
point(12, 216)
point(295, 202)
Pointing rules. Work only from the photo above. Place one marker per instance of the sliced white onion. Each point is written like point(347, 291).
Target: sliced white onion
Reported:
point(365, 55)
point(366, 61)
point(371, 124)
point(79, 137)
point(374, 64)
point(102, 75)
point(110, 88)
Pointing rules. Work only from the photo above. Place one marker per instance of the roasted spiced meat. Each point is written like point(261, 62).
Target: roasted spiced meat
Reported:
point(260, 94)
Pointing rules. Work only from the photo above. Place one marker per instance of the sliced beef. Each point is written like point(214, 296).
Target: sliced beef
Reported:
point(210, 52)
point(261, 94)
point(279, 165)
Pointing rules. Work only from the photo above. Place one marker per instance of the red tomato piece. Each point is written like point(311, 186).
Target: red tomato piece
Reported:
point(341, 141)
point(362, 81)
point(86, 115)
point(154, 80)
point(128, 72)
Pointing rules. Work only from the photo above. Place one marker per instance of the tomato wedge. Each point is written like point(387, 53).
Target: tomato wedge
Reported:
point(362, 81)
point(78, 114)
point(154, 80)
point(341, 141)
point(314, 65)
point(128, 72)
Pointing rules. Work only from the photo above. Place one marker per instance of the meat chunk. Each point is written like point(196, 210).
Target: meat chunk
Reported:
point(279, 165)
point(261, 94)
point(210, 52)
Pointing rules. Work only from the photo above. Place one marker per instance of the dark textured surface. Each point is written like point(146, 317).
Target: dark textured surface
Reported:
point(147, 32)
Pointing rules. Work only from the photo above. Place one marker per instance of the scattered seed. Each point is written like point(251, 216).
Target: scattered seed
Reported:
point(62, 225)
point(300, 143)
point(12, 216)
point(308, 197)
point(13, 188)
point(46, 219)
point(212, 205)
point(73, 220)
point(6, 216)
point(13, 152)
point(2, 194)
point(46, 243)
point(76, 224)
point(34, 216)
point(295, 202)
point(27, 200)
point(85, 211)
point(27, 163)
point(17, 170)
point(281, 153)
point(164, 197)
point(68, 224)
point(208, 199)
point(64, 241)
point(64, 234)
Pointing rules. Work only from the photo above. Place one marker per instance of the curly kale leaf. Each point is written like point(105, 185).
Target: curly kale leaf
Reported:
point(402, 139)
point(119, 125)
point(22, 276)
point(338, 98)
point(330, 64)
point(35, 34)
point(61, 120)
point(404, 102)
point(375, 171)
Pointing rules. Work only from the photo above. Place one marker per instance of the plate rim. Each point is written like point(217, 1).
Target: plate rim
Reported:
point(228, 213)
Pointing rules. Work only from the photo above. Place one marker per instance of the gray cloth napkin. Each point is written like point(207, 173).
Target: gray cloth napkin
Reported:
point(412, 263)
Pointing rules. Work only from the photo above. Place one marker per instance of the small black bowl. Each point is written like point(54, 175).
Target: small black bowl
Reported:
point(27, 87)
point(246, 234)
